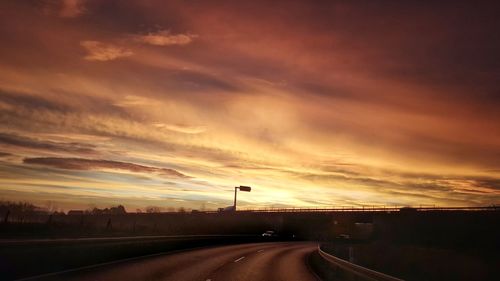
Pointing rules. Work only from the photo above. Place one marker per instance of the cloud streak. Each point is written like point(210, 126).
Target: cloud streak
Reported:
point(181, 128)
point(72, 8)
point(96, 164)
point(98, 51)
point(165, 38)
point(30, 143)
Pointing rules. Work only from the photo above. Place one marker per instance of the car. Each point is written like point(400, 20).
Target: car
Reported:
point(226, 209)
point(269, 233)
point(343, 236)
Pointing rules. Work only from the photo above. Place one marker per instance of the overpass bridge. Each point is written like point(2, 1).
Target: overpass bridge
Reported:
point(362, 209)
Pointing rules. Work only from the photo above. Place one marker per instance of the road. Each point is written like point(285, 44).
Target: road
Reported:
point(258, 261)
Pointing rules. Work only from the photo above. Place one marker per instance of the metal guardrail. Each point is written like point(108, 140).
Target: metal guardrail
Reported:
point(90, 240)
point(366, 209)
point(361, 272)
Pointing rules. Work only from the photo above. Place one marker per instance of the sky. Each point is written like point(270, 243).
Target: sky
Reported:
point(311, 103)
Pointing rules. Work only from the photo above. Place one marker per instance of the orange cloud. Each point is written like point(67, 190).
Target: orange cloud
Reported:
point(98, 51)
point(72, 8)
point(92, 164)
point(165, 38)
point(181, 128)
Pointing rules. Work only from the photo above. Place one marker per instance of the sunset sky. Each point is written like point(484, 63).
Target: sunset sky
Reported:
point(312, 103)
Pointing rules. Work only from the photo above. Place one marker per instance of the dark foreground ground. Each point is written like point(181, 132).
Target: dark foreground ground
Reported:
point(413, 245)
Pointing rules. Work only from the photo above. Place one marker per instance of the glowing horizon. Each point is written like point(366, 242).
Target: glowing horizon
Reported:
point(173, 103)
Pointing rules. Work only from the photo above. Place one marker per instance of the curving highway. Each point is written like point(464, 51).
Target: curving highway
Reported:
point(258, 261)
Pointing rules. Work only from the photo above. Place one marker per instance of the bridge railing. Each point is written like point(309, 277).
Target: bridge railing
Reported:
point(351, 271)
point(370, 209)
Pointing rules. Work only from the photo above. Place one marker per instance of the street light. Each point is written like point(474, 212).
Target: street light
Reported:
point(241, 188)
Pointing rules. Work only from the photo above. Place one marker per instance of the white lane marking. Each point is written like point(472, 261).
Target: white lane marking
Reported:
point(260, 251)
point(209, 279)
point(239, 259)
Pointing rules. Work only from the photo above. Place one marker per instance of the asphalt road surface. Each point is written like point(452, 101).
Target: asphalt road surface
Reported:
point(258, 261)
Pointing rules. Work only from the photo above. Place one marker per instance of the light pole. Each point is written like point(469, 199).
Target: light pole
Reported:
point(241, 188)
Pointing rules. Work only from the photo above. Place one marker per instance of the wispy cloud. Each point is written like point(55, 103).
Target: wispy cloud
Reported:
point(4, 154)
point(46, 146)
point(98, 51)
point(165, 38)
point(181, 128)
point(96, 164)
point(72, 8)
point(133, 101)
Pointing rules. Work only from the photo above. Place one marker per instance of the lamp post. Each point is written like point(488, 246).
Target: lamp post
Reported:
point(241, 188)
